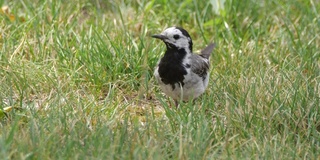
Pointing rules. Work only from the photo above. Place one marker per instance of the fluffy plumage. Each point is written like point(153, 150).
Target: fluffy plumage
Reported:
point(181, 74)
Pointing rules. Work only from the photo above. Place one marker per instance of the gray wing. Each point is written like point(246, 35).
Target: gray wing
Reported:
point(199, 65)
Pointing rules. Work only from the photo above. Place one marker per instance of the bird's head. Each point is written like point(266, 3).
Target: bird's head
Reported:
point(175, 37)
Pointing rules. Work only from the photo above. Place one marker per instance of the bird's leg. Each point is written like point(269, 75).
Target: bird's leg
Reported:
point(176, 103)
point(194, 101)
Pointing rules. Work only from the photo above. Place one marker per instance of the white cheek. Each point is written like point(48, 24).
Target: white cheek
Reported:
point(180, 43)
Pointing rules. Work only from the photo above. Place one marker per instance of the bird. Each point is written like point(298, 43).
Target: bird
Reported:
point(181, 74)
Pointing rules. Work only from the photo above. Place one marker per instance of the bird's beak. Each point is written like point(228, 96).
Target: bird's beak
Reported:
point(160, 36)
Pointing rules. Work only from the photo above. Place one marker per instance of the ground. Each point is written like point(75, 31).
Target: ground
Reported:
point(76, 80)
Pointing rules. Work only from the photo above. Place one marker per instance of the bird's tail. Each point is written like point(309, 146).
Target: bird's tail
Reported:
point(206, 52)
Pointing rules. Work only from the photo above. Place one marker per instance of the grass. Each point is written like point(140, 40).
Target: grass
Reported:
point(78, 77)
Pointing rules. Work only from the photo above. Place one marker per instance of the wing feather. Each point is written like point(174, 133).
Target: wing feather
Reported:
point(199, 65)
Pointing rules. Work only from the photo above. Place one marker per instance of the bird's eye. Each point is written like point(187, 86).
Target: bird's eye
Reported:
point(176, 36)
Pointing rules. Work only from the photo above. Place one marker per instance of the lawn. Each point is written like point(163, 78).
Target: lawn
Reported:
point(77, 80)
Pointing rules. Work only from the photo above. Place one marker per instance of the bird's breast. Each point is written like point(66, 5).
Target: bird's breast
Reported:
point(171, 72)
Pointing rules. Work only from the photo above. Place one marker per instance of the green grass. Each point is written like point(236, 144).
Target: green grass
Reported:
point(79, 79)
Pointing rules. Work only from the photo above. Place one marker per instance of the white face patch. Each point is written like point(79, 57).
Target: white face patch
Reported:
point(176, 37)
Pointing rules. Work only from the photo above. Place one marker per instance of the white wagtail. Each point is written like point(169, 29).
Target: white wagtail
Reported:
point(181, 74)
